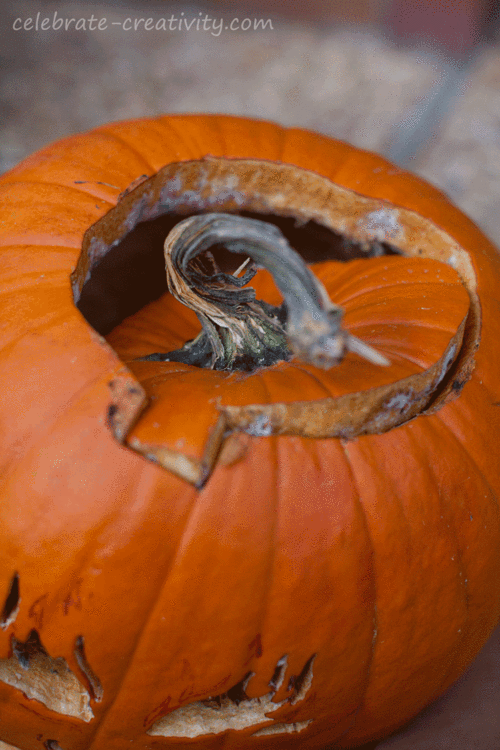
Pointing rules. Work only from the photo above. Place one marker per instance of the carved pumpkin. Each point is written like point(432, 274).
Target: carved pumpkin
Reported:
point(284, 555)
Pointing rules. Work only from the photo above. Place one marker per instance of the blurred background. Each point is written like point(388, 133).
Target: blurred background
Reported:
point(418, 81)
point(415, 80)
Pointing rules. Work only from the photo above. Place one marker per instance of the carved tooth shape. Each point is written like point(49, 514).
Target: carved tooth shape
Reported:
point(41, 677)
point(93, 680)
point(235, 710)
point(11, 606)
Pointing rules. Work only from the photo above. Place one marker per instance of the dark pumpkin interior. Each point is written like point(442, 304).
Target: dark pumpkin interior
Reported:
point(132, 273)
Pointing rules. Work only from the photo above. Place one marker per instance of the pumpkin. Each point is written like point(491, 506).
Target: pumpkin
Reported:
point(300, 552)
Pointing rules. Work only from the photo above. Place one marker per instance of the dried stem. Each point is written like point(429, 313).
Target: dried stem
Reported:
point(239, 331)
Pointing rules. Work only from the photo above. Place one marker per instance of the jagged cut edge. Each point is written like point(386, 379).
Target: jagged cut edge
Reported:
point(185, 467)
point(12, 604)
point(259, 186)
point(46, 679)
point(220, 714)
point(351, 415)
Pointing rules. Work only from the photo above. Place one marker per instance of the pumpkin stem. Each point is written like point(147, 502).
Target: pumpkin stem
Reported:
point(239, 331)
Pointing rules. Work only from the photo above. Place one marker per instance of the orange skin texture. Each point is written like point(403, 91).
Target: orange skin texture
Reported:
point(304, 546)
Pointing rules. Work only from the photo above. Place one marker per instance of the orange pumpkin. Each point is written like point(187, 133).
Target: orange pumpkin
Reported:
point(282, 557)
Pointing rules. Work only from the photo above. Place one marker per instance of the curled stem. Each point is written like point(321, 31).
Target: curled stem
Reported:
point(239, 331)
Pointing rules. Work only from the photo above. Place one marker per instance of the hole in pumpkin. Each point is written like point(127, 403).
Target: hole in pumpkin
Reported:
point(51, 745)
point(121, 268)
point(235, 710)
point(132, 273)
point(235, 694)
point(44, 678)
point(11, 606)
point(299, 686)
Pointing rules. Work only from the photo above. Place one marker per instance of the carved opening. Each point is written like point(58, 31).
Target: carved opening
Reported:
point(121, 268)
point(299, 686)
point(132, 272)
point(44, 678)
point(234, 710)
point(11, 606)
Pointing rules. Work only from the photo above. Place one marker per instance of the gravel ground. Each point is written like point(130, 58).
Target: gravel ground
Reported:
point(350, 84)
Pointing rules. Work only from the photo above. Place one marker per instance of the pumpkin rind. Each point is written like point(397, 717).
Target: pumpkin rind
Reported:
point(178, 592)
